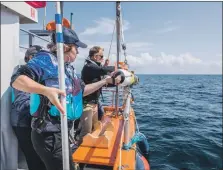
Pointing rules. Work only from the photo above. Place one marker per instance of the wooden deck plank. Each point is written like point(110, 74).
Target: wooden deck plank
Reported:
point(99, 155)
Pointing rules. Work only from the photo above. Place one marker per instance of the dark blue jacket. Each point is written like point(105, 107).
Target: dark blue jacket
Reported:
point(20, 116)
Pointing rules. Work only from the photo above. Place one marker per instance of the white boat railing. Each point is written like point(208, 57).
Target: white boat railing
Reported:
point(22, 47)
point(113, 91)
point(30, 38)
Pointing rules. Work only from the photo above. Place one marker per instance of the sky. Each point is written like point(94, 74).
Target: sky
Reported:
point(161, 37)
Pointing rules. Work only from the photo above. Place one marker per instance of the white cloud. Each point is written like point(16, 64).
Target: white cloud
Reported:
point(167, 29)
point(103, 26)
point(143, 62)
point(168, 26)
point(168, 22)
point(219, 55)
point(170, 64)
point(132, 48)
point(167, 59)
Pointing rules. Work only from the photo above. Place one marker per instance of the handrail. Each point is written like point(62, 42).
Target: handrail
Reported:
point(110, 90)
point(113, 93)
point(23, 47)
point(35, 35)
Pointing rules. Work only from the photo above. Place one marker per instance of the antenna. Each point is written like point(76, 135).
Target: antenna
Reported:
point(71, 16)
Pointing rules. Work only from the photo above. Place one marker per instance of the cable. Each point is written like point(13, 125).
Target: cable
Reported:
point(111, 41)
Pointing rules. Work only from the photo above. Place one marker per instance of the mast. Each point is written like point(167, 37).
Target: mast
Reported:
point(60, 56)
point(127, 90)
point(118, 8)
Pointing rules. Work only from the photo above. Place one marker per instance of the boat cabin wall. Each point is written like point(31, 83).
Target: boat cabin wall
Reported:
point(9, 60)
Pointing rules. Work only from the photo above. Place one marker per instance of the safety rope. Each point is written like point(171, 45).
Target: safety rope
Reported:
point(137, 127)
point(111, 41)
point(123, 39)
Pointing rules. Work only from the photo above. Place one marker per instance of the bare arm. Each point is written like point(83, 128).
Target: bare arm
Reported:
point(24, 83)
point(90, 88)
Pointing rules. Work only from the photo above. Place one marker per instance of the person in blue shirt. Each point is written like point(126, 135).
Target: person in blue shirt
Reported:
point(40, 76)
point(21, 120)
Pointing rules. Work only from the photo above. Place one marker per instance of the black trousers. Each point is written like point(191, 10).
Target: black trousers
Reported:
point(24, 140)
point(48, 145)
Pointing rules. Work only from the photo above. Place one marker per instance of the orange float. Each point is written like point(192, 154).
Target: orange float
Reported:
point(51, 26)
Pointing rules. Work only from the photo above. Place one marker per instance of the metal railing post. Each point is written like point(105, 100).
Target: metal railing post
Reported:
point(126, 116)
point(30, 40)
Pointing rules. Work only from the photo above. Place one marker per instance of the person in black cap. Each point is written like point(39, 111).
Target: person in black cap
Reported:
point(31, 52)
point(40, 76)
point(21, 120)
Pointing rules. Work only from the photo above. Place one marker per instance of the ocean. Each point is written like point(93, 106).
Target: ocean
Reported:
point(181, 116)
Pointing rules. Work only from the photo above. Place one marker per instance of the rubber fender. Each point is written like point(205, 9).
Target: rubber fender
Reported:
point(141, 162)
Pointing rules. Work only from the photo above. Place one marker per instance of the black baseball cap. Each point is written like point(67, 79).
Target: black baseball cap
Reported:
point(31, 51)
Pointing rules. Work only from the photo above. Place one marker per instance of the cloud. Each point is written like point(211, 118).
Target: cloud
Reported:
point(167, 29)
point(219, 55)
point(169, 26)
point(142, 61)
point(168, 22)
point(103, 26)
point(132, 47)
point(167, 59)
point(145, 63)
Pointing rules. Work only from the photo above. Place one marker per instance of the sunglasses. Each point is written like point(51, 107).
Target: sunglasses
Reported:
point(100, 56)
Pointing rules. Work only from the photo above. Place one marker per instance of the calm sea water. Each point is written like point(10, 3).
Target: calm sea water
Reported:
point(181, 115)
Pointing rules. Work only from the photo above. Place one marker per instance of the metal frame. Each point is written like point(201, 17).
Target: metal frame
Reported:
point(126, 113)
point(37, 34)
point(113, 94)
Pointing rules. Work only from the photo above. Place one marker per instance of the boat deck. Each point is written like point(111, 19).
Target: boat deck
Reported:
point(113, 155)
point(102, 156)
